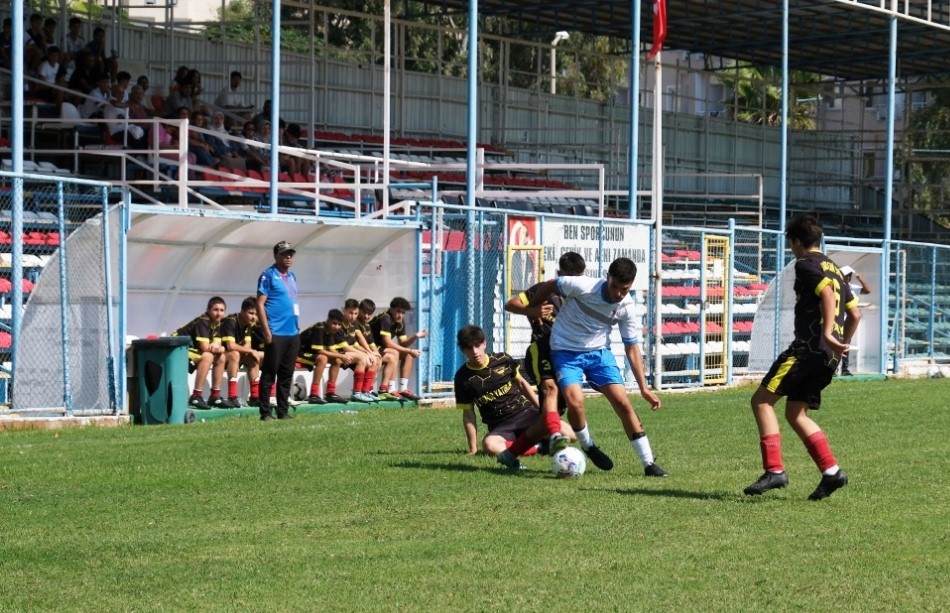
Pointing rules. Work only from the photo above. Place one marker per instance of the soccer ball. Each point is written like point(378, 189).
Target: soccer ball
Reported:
point(568, 463)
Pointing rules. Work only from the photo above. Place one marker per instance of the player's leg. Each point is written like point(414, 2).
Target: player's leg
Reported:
point(522, 430)
point(387, 383)
point(569, 366)
point(253, 369)
point(232, 364)
point(331, 395)
point(778, 380)
point(811, 434)
point(360, 360)
point(203, 366)
point(218, 364)
point(538, 362)
point(319, 364)
point(374, 361)
point(405, 369)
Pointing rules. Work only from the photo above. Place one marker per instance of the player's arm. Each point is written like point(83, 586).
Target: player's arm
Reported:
point(865, 288)
point(829, 308)
point(851, 322)
point(545, 289)
point(409, 340)
point(528, 390)
point(470, 425)
point(262, 317)
point(635, 359)
point(520, 305)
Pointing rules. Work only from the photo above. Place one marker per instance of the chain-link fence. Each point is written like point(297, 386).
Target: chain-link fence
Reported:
point(919, 303)
point(62, 344)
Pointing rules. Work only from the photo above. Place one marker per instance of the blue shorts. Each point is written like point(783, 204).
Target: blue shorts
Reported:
point(598, 366)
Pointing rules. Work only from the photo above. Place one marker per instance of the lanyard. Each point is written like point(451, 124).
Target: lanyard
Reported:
point(290, 283)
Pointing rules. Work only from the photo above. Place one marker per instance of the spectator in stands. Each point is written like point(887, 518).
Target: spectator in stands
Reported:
point(73, 42)
point(179, 98)
point(49, 31)
point(230, 100)
point(196, 139)
point(6, 43)
point(124, 132)
point(97, 99)
point(263, 116)
point(49, 72)
point(859, 288)
point(277, 310)
point(237, 332)
point(254, 158)
point(197, 104)
point(222, 148)
point(389, 332)
point(179, 78)
point(142, 82)
point(97, 46)
point(322, 344)
point(290, 137)
point(85, 76)
point(137, 108)
point(207, 351)
point(34, 40)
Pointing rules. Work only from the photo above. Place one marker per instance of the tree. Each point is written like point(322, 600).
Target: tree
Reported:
point(924, 158)
point(756, 96)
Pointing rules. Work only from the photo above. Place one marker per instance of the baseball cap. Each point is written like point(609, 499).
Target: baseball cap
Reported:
point(283, 247)
point(846, 270)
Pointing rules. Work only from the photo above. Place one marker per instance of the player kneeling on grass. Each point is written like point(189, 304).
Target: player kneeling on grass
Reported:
point(237, 333)
point(492, 383)
point(826, 316)
point(207, 351)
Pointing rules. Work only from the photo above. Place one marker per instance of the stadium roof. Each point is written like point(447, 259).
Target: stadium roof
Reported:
point(847, 39)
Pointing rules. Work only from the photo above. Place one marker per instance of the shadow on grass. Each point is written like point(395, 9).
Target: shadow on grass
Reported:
point(469, 468)
point(671, 493)
point(402, 452)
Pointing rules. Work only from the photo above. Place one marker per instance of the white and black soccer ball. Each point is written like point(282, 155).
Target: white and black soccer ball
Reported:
point(568, 463)
point(298, 390)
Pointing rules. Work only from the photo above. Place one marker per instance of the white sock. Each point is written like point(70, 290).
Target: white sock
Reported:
point(831, 471)
point(392, 387)
point(584, 438)
point(403, 385)
point(642, 447)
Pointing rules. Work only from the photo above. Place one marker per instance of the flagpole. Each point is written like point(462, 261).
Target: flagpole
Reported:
point(658, 218)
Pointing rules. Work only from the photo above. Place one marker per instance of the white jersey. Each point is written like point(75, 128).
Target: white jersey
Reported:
point(585, 319)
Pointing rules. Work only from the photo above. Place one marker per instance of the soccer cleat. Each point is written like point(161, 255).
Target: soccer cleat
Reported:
point(371, 394)
point(313, 399)
point(510, 461)
point(846, 373)
point(557, 442)
point(334, 399)
point(197, 402)
point(408, 395)
point(218, 403)
point(768, 481)
point(600, 459)
point(360, 397)
point(829, 484)
point(234, 402)
point(253, 401)
point(386, 396)
point(652, 470)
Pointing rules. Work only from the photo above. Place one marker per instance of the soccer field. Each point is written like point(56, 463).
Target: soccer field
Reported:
point(381, 510)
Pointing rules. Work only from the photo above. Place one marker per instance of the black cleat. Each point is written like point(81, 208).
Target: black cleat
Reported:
point(219, 403)
point(253, 401)
point(768, 481)
point(829, 484)
point(315, 400)
point(334, 399)
point(408, 395)
point(653, 470)
point(600, 459)
point(234, 402)
point(197, 402)
point(846, 373)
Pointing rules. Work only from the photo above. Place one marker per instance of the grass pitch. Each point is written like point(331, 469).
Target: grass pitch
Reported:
point(382, 511)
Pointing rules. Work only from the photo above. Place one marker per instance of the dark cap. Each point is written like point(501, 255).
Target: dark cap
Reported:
point(283, 247)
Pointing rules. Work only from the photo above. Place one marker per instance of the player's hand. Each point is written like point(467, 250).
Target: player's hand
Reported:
point(414, 353)
point(651, 398)
point(422, 333)
point(268, 337)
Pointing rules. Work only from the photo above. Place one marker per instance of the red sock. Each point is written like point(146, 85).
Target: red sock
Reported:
point(368, 380)
point(331, 387)
point(232, 389)
point(215, 394)
point(358, 381)
point(771, 447)
point(820, 452)
point(197, 392)
point(553, 422)
point(521, 446)
point(255, 389)
point(533, 450)
point(315, 388)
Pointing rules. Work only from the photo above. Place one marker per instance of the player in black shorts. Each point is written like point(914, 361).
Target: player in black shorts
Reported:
point(492, 383)
point(538, 357)
point(826, 316)
point(389, 334)
point(206, 351)
point(237, 333)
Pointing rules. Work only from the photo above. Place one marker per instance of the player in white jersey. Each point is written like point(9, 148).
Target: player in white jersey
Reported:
point(580, 347)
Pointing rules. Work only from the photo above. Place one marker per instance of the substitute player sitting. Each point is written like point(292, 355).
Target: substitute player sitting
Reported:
point(237, 333)
point(492, 383)
point(389, 333)
point(207, 351)
point(382, 360)
point(324, 344)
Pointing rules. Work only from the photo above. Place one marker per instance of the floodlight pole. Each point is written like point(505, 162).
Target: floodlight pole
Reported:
point(557, 38)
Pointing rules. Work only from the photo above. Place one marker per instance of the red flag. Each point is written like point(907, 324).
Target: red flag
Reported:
point(659, 27)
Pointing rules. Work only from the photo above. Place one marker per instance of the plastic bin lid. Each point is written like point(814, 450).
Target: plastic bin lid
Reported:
point(164, 341)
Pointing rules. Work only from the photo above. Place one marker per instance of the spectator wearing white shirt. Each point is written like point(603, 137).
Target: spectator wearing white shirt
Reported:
point(97, 99)
point(230, 100)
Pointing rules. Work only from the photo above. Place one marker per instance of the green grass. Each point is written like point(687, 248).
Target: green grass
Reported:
point(382, 511)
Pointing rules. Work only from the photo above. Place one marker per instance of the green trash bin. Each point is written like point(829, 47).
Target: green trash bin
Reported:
point(161, 370)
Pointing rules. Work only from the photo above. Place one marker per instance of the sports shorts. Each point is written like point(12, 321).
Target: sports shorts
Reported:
point(598, 366)
point(800, 374)
point(512, 427)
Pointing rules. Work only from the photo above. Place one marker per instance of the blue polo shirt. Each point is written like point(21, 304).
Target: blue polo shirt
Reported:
point(281, 303)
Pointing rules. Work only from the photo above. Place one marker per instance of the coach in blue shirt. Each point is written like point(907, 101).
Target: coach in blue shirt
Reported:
point(277, 312)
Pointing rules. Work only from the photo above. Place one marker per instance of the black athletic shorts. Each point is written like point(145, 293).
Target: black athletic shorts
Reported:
point(800, 374)
point(512, 427)
point(539, 366)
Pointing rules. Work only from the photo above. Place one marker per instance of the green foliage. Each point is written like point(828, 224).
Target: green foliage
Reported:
point(755, 96)
point(924, 156)
point(381, 510)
